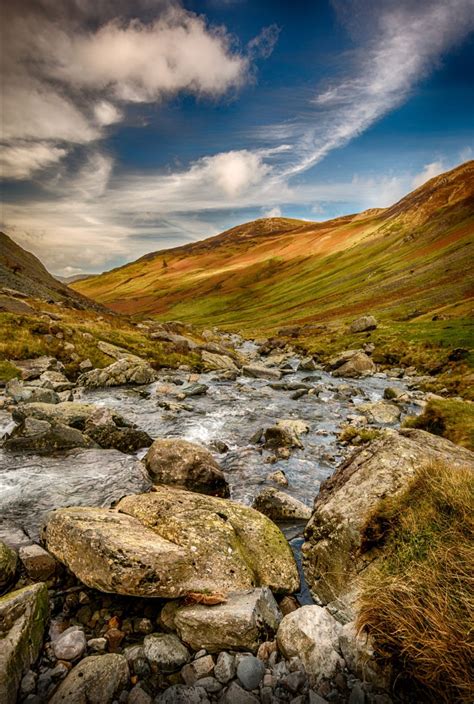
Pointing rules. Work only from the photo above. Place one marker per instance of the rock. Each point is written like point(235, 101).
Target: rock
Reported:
point(16, 390)
point(171, 542)
point(358, 652)
point(98, 679)
point(86, 365)
point(165, 652)
point(33, 368)
point(43, 437)
point(185, 464)
point(28, 683)
point(69, 413)
point(236, 695)
point(91, 477)
point(363, 324)
point(288, 604)
point(218, 362)
point(260, 372)
point(139, 696)
point(279, 477)
point(240, 623)
point(250, 671)
point(224, 669)
point(118, 352)
point(120, 373)
point(38, 563)
point(280, 506)
point(196, 670)
point(307, 364)
point(194, 390)
point(314, 698)
point(182, 694)
point(312, 634)
point(98, 645)
point(102, 427)
point(70, 645)
point(210, 684)
point(380, 412)
point(331, 554)
point(278, 436)
point(54, 380)
point(293, 425)
point(23, 617)
point(8, 565)
point(391, 393)
point(358, 364)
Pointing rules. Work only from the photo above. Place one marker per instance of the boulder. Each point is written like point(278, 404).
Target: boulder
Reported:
point(20, 393)
point(221, 362)
point(280, 506)
point(258, 371)
point(120, 373)
point(118, 353)
point(38, 563)
point(29, 488)
point(281, 436)
point(357, 364)
point(98, 679)
point(363, 324)
point(331, 557)
point(23, 617)
point(307, 364)
point(8, 565)
point(69, 413)
point(185, 464)
point(172, 542)
point(33, 368)
point(312, 635)
point(380, 412)
point(241, 623)
point(43, 437)
point(53, 380)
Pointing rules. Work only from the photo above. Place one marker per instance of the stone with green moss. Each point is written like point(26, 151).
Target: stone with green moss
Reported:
point(8, 565)
point(23, 617)
point(171, 542)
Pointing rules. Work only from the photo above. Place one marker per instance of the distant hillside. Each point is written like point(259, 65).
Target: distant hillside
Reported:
point(72, 279)
point(400, 262)
point(22, 271)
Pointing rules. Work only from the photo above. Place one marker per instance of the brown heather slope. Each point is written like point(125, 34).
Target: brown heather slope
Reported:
point(400, 262)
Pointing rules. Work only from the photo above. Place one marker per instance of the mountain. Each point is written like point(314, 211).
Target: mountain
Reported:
point(22, 271)
point(72, 279)
point(399, 262)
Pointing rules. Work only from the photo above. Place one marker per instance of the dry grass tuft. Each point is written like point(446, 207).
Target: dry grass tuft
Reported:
point(451, 418)
point(419, 604)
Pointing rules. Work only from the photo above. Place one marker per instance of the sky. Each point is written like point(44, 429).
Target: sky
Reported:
point(130, 126)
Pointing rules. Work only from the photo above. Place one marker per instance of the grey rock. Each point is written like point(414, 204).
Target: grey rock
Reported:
point(260, 372)
point(20, 393)
point(202, 667)
point(98, 645)
point(363, 324)
point(97, 679)
point(250, 672)
point(280, 506)
point(38, 563)
point(120, 373)
point(314, 698)
point(28, 683)
point(70, 645)
point(210, 684)
point(357, 695)
point(33, 368)
point(138, 696)
point(43, 437)
point(165, 651)
point(235, 694)
point(224, 669)
point(182, 694)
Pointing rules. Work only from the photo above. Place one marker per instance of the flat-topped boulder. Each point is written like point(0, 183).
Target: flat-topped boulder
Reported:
point(280, 506)
point(185, 464)
point(332, 558)
point(33, 368)
point(351, 364)
point(120, 373)
point(171, 542)
point(363, 324)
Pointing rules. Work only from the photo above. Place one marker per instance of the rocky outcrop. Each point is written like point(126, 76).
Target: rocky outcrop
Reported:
point(331, 556)
point(380, 412)
point(120, 373)
point(241, 623)
point(363, 324)
point(280, 506)
point(312, 634)
point(185, 464)
point(95, 680)
point(172, 542)
point(23, 617)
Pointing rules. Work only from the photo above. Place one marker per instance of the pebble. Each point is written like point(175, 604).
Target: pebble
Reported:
point(210, 684)
point(224, 669)
point(98, 645)
point(70, 645)
point(139, 696)
point(165, 651)
point(28, 683)
point(236, 695)
point(250, 672)
point(203, 667)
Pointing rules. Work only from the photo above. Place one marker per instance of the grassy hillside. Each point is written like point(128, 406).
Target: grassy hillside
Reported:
point(401, 263)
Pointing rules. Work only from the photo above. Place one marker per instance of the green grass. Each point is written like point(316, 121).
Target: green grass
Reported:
point(8, 371)
point(450, 418)
point(418, 602)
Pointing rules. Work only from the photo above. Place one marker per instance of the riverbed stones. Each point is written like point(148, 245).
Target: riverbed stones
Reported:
point(70, 644)
point(120, 373)
point(198, 669)
point(33, 368)
point(312, 635)
point(171, 542)
point(8, 565)
point(224, 669)
point(22, 393)
point(380, 412)
point(250, 672)
point(332, 559)
point(23, 617)
point(241, 623)
point(41, 436)
point(183, 694)
point(38, 563)
point(98, 679)
point(363, 324)
point(185, 464)
point(280, 506)
point(258, 371)
point(278, 436)
point(165, 652)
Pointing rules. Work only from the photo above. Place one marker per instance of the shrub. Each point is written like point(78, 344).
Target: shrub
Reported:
point(418, 603)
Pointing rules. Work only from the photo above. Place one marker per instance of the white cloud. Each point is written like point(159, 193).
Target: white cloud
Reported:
point(274, 212)
point(429, 171)
point(21, 159)
point(107, 114)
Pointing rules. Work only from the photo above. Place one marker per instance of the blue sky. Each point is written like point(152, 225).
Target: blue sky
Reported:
point(135, 126)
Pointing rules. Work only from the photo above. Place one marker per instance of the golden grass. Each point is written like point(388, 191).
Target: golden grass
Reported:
point(419, 604)
point(451, 418)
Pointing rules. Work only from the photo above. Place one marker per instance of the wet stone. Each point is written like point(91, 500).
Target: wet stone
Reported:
point(250, 672)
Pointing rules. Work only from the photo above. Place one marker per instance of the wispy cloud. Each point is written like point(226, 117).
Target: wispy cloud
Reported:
point(429, 171)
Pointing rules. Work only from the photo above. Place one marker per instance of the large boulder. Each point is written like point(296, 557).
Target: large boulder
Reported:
point(280, 506)
point(331, 554)
point(380, 412)
point(22, 393)
point(70, 413)
point(241, 623)
point(258, 371)
point(120, 373)
point(43, 437)
point(185, 464)
point(221, 362)
point(23, 616)
point(30, 487)
point(172, 542)
point(352, 365)
point(363, 324)
point(98, 679)
point(312, 634)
